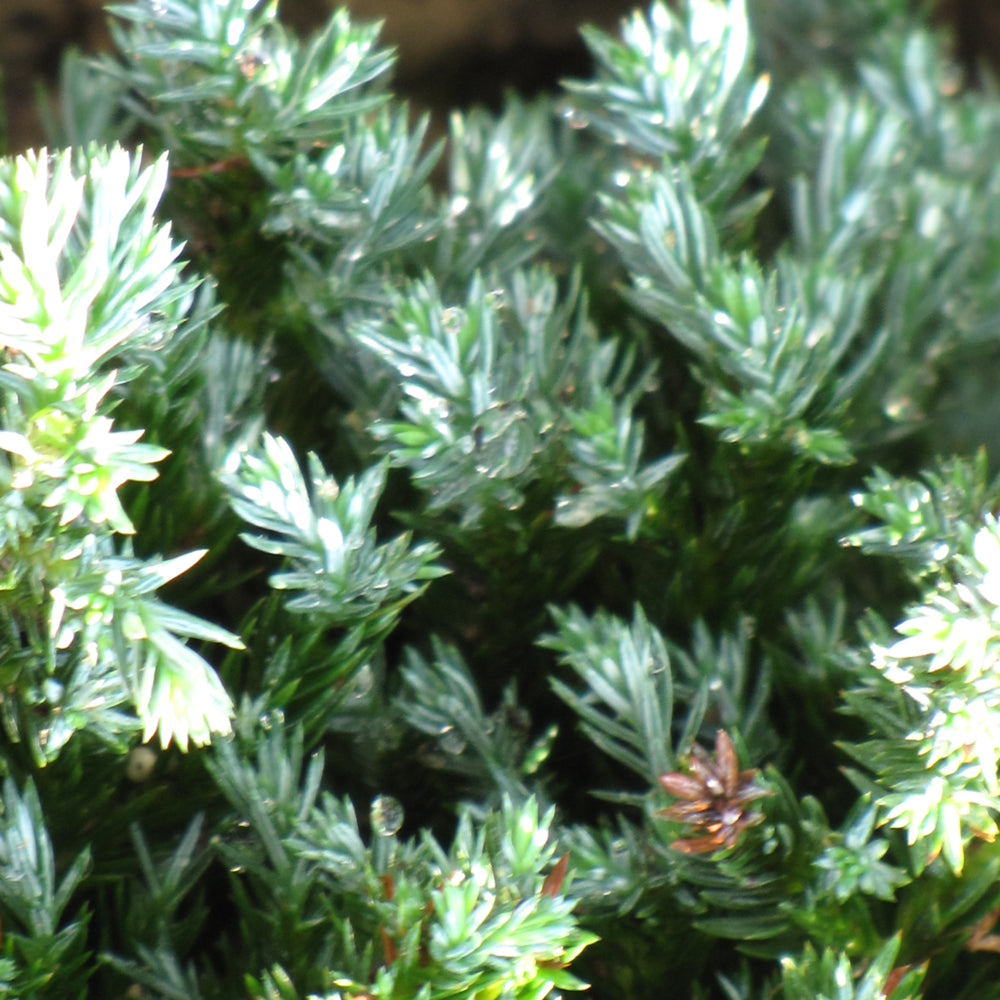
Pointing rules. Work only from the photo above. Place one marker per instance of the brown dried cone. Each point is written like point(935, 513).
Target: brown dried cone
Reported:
point(714, 797)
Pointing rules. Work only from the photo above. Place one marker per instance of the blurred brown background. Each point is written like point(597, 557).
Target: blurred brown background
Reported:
point(452, 52)
point(976, 25)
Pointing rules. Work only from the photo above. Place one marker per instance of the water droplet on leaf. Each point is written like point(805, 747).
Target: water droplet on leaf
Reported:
point(452, 743)
point(619, 849)
point(271, 720)
point(386, 815)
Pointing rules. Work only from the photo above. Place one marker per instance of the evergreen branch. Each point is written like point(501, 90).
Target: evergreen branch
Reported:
point(335, 568)
point(84, 269)
point(39, 954)
point(831, 976)
point(161, 971)
point(478, 338)
point(225, 80)
point(449, 921)
point(497, 391)
point(359, 208)
point(844, 201)
point(441, 700)
point(678, 88)
point(773, 348)
point(612, 866)
point(627, 704)
point(88, 276)
point(610, 481)
point(719, 673)
point(167, 884)
point(29, 886)
point(939, 783)
point(927, 520)
point(853, 863)
point(499, 171)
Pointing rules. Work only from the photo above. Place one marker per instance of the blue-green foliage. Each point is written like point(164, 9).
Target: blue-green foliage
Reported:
point(568, 494)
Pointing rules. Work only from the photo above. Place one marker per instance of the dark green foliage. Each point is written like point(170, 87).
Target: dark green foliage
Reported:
point(516, 472)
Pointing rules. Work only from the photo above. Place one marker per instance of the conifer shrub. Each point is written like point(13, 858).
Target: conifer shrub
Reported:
point(562, 553)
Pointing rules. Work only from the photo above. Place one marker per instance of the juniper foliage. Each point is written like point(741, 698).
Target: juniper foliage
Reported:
point(390, 528)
